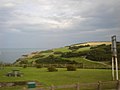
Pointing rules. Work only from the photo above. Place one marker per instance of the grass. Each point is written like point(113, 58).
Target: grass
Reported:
point(89, 63)
point(86, 62)
point(12, 88)
point(58, 78)
point(84, 49)
point(66, 49)
point(62, 49)
point(62, 77)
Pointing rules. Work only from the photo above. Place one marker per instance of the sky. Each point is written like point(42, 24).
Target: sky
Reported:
point(57, 23)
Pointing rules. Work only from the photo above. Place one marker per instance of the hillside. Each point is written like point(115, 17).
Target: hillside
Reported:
point(94, 43)
point(73, 54)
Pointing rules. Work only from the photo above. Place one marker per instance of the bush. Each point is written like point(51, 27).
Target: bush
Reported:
point(23, 61)
point(52, 69)
point(47, 51)
point(58, 52)
point(51, 59)
point(38, 56)
point(38, 66)
point(71, 68)
point(24, 66)
point(77, 47)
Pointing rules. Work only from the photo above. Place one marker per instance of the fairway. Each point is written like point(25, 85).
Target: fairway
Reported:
point(57, 78)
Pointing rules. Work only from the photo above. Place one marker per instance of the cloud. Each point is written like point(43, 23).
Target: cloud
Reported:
point(8, 5)
point(49, 14)
point(70, 19)
point(64, 14)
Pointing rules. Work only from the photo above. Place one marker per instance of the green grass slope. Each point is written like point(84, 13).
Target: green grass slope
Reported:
point(57, 52)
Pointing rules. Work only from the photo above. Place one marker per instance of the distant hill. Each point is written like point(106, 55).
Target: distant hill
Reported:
point(73, 54)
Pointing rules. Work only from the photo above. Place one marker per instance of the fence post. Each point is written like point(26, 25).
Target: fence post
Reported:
point(118, 85)
point(78, 86)
point(99, 85)
point(52, 87)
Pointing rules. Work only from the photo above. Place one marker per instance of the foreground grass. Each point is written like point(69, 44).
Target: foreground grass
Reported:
point(57, 78)
point(13, 88)
point(62, 77)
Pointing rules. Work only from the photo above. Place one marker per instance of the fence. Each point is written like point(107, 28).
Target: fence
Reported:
point(79, 65)
point(9, 84)
point(109, 85)
point(15, 83)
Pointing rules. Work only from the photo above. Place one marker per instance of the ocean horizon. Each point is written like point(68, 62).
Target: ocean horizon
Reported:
point(10, 55)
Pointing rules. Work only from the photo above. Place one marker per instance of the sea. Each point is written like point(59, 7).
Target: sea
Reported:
point(10, 55)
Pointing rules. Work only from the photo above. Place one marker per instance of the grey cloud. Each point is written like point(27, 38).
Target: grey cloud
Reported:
point(57, 22)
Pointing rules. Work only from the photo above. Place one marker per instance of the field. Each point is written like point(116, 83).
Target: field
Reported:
point(62, 77)
point(57, 78)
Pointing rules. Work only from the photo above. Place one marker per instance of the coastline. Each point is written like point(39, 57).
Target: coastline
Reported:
point(10, 55)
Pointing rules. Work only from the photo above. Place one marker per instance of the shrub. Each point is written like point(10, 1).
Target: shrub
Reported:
point(25, 66)
point(52, 69)
point(47, 51)
point(23, 61)
point(77, 47)
point(58, 52)
point(38, 66)
point(51, 59)
point(71, 68)
point(38, 56)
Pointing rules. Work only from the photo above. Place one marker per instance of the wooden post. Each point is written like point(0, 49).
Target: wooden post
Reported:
point(99, 85)
point(52, 87)
point(118, 85)
point(78, 86)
